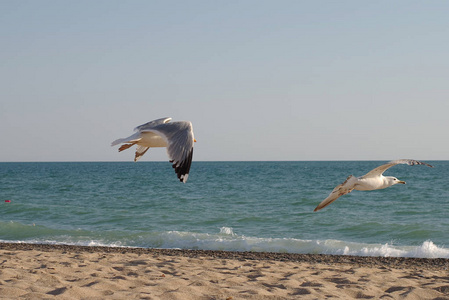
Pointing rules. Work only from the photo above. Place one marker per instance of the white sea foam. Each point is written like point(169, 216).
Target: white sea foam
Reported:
point(226, 239)
point(226, 230)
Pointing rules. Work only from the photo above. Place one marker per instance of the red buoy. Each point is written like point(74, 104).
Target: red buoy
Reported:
point(7, 201)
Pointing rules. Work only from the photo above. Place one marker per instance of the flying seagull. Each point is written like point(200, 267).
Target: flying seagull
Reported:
point(176, 136)
point(373, 180)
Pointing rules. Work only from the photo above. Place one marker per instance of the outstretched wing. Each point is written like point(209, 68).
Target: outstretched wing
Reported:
point(340, 190)
point(152, 124)
point(179, 138)
point(381, 169)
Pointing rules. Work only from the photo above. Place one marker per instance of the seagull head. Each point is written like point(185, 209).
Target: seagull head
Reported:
point(394, 180)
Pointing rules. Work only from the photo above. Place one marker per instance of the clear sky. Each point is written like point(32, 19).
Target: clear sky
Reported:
point(259, 80)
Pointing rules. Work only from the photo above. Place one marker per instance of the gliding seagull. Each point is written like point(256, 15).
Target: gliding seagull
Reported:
point(176, 136)
point(373, 180)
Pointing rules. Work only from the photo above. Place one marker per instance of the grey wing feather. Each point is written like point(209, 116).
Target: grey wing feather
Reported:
point(340, 190)
point(381, 169)
point(410, 162)
point(152, 124)
point(179, 137)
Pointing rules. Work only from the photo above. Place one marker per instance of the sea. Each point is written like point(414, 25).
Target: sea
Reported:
point(232, 206)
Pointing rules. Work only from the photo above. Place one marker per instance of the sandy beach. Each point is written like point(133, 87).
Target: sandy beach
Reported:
point(29, 271)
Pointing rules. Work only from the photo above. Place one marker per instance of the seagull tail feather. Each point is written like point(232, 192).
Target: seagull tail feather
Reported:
point(118, 141)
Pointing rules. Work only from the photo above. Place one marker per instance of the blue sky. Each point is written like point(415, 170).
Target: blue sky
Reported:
point(259, 80)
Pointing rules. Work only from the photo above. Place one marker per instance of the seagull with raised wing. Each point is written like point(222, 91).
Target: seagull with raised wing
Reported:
point(176, 136)
point(373, 180)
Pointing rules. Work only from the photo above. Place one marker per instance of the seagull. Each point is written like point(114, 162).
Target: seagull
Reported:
point(373, 180)
point(176, 136)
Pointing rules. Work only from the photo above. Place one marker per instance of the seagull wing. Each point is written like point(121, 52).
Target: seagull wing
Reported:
point(179, 138)
point(152, 124)
point(340, 190)
point(381, 169)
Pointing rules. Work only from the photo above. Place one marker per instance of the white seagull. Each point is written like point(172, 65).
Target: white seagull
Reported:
point(373, 180)
point(176, 136)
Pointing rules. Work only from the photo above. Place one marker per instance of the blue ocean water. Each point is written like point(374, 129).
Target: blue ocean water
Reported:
point(238, 206)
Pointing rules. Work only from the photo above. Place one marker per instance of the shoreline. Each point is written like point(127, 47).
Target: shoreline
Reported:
point(360, 261)
point(43, 271)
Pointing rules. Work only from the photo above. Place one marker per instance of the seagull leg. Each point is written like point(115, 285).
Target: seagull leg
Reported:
point(125, 146)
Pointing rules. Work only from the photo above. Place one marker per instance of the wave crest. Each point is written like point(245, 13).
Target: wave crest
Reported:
point(226, 239)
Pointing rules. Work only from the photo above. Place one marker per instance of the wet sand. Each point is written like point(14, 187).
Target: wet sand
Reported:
point(35, 271)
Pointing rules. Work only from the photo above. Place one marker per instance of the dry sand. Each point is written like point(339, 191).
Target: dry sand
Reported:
point(73, 272)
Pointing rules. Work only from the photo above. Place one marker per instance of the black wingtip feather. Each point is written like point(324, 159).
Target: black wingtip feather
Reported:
point(183, 169)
